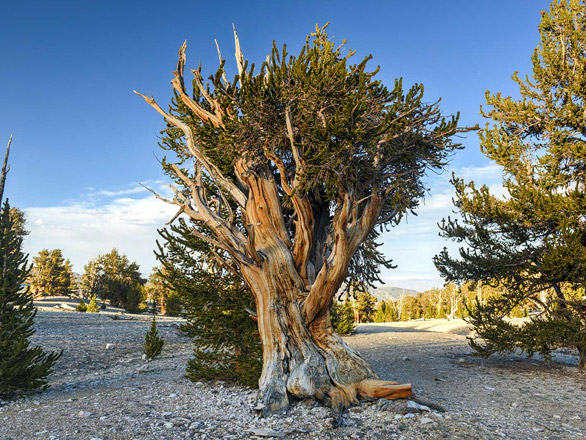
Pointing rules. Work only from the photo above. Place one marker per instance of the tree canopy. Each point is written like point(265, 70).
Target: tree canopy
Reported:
point(51, 274)
point(112, 276)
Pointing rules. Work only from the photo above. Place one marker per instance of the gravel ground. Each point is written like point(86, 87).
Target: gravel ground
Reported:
point(113, 394)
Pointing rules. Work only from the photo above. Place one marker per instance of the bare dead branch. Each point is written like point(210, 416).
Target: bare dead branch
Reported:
point(239, 55)
point(220, 57)
point(5, 169)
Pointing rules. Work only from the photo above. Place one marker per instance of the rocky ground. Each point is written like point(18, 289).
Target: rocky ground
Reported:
point(99, 393)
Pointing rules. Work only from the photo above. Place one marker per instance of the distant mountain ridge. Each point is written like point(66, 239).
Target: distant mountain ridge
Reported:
point(386, 293)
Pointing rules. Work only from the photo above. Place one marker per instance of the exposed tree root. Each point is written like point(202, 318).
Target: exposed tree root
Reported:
point(378, 389)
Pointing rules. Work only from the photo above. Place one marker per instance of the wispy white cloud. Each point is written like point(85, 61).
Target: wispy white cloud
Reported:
point(89, 227)
point(128, 217)
point(413, 244)
point(121, 192)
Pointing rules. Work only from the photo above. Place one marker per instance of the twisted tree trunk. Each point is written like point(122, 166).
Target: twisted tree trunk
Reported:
point(302, 355)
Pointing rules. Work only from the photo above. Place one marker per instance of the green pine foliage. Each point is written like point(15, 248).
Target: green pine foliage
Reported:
point(531, 243)
point(22, 368)
point(51, 274)
point(342, 317)
point(114, 277)
point(93, 306)
point(218, 306)
point(153, 344)
point(82, 306)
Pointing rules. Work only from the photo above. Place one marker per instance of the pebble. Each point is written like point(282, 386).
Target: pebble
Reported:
point(110, 346)
point(426, 420)
point(168, 425)
point(418, 406)
point(84, 414)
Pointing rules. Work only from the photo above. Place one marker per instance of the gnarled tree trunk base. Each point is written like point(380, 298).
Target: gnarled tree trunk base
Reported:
point(335, 375)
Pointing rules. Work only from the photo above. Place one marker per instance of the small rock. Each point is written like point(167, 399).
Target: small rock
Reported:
point(196, 425)
point(266, 432)
point(84, 414)
point(103, 418)
point(172, 395)
point(409, 416)
point(198, 384)
point(514, 404)
point(110, 346)
point(144, 357)
point(425, 420)
point(486, 387)
point(461, 361)
point(168, 425)
point(405, 358)
point(167, 414)
point(418, 406)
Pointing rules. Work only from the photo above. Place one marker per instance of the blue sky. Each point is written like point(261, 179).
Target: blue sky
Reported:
point(83, 140)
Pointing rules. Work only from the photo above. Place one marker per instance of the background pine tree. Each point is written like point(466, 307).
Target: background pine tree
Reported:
point(342, 317)
point(531, 244)
point(218, 307)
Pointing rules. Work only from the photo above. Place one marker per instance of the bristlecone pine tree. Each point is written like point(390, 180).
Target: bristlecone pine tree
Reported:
point(288, 173)
point(219, 308)
point(22, 368)
point(533, 242)
point(153, 344)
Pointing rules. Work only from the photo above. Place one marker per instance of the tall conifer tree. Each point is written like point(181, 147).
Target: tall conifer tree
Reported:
point(22, 368)
point(532, 243)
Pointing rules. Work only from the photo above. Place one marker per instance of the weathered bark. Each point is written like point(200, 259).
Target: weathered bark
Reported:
point(306, 361)
point(582, 359)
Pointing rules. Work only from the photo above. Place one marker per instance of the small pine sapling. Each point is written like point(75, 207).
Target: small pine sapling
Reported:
point(93, 305)
point(82, 306)
point(153, 344)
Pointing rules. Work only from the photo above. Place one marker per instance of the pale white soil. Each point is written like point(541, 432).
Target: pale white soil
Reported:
point(114, 394)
